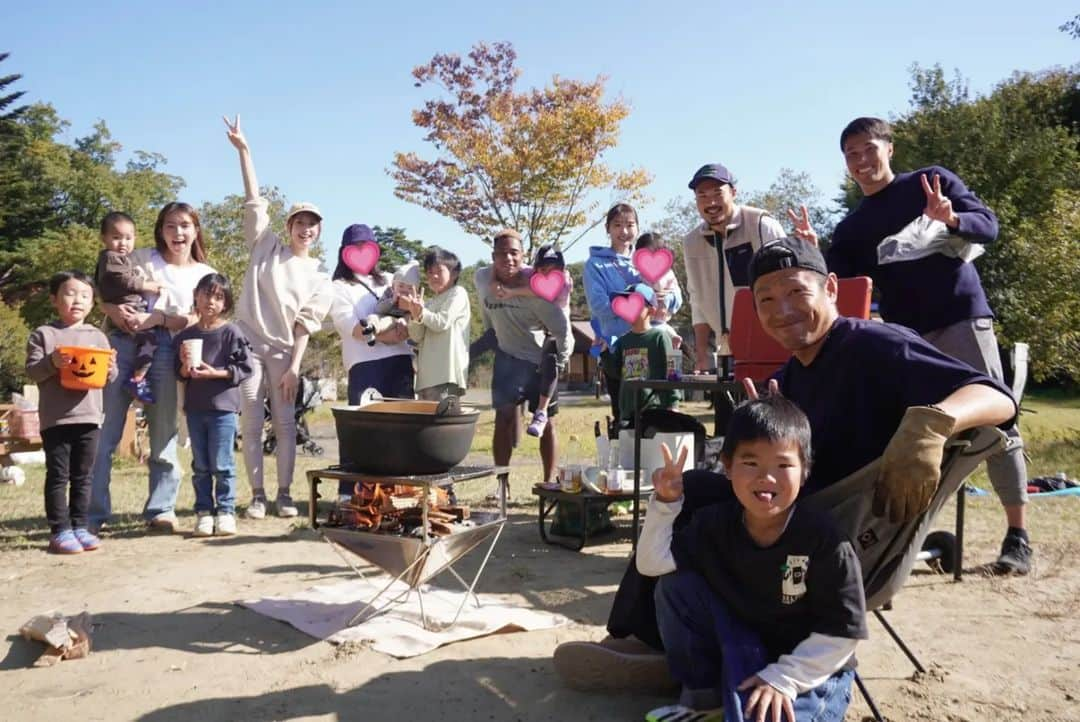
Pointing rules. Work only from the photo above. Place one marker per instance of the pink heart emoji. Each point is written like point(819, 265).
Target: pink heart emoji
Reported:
point(628, 308)
point(653, 264)
point(548, 285)
point(361, 257)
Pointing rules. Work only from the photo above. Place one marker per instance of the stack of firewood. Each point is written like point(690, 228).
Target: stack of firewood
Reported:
point(393, 509)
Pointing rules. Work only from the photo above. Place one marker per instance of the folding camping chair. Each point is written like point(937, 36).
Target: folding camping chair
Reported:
point(887, 553)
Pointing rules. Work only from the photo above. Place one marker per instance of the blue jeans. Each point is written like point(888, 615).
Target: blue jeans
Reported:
point(710, 654)
point(161, 418)
point(213, 460)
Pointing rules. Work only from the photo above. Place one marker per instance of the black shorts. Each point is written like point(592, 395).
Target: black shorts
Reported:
point(515, 380)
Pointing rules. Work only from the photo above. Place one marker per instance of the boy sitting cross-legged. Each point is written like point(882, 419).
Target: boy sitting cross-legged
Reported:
point(761, 602)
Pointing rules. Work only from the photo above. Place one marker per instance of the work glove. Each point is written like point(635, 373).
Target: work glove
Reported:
point(911, 464)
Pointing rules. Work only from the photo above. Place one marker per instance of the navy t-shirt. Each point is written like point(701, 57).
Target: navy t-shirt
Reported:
point(227, 348)
point(924, 294)
point(859, 386)
point(807, 582)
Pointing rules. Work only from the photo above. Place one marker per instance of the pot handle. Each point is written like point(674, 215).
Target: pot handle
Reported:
point(450, 406)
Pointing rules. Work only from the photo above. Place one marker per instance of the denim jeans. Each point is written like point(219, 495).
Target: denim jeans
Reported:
point(213, 461)
point(710, 654)
point(161, 419)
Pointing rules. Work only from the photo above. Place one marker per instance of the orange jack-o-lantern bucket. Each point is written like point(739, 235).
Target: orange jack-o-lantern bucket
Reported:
point(89, 370)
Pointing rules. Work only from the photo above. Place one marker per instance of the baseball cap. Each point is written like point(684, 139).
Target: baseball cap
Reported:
point(643, 288)
point(549, 255)
point(357, 233)
point(303, 207)
point(784, 253)
point(712, 171)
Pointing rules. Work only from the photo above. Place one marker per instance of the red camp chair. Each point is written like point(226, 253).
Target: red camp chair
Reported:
point(756, 355)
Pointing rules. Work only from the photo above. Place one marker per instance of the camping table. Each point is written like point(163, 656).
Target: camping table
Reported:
point(551, 498)
point(413, 560)
point(701, 382)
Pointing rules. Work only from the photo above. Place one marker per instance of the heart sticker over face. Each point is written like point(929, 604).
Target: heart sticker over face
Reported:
point(361, 257)
point(653, 264)
point(548, 285)
point(628, 308)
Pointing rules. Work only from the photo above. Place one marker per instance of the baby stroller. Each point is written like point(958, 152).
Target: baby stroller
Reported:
point(307, 398)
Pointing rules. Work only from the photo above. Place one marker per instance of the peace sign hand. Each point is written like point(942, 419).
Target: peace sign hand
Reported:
point(773, 389)
point(803, 230)
point(938, 205)
point(235, 135)
point(667, 480)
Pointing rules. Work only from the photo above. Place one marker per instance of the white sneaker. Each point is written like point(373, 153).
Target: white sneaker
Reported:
point(257, 508)
point(204, 526)
point(286, 509)
point(226, 525)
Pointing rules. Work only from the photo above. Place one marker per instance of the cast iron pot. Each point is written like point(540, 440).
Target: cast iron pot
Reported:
point(403, 438)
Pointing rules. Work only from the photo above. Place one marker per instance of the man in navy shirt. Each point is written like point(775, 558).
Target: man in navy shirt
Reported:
point(869, 389)
point(916, 234)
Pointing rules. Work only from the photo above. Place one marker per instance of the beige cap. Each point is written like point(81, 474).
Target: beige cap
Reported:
point(303, 207)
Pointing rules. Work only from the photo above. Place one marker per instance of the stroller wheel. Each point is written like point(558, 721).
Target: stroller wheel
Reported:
point(317, 450)
point(269, 445)
point(943, 543)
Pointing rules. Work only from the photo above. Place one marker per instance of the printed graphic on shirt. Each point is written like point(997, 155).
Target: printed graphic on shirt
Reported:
point(635, 363)
point(794, 583)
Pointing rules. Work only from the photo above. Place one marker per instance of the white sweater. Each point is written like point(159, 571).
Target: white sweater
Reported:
point(352, 302)
point(443, 337)
point(280, 289)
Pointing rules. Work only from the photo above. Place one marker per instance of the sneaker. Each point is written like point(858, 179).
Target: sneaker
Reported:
point(1015, 556)
point(226, 525)
point(681, 713)
point(166, 522)
point(536, 426)
point(65, 543)
point(257, 508)
point(285, 507)
point(205, 524)
point(140, 389)
point(88, 541)
point(614, 665)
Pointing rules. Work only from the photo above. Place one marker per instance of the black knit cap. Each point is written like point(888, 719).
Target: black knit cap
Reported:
point(784, 253)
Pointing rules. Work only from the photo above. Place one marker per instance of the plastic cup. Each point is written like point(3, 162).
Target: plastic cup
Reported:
point(193, 348)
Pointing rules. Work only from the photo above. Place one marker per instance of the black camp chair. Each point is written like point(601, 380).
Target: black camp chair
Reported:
point(887, 552)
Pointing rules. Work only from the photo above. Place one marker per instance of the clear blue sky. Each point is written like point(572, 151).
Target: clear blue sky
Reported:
point(325, 94)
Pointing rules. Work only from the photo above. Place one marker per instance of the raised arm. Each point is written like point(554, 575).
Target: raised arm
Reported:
point(948, 200)
point(247, 167)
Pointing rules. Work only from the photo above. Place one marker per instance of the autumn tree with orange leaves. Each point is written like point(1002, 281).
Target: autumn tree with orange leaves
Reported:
point(529, 160)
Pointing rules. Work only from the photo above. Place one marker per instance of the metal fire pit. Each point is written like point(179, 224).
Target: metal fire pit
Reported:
point(412, 560)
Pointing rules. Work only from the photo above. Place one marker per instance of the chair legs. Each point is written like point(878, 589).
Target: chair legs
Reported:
point(899, 642)
point(869, 700)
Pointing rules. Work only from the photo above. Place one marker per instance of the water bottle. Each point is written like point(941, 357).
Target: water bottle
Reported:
point(615, 470)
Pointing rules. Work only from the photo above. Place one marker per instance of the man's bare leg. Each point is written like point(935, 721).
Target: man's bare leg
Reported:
point(549, 451)
point(507, 431)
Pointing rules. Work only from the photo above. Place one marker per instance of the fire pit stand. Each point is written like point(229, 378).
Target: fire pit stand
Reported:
point(412, 559)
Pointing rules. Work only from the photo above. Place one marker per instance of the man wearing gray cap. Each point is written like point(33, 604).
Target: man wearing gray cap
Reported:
point(717, 254)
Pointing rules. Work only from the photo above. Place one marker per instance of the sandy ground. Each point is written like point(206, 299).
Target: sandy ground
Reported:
point(170, 644)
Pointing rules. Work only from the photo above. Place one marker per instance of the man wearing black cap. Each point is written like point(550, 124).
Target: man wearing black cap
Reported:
point(717, 255)
point(871, 390)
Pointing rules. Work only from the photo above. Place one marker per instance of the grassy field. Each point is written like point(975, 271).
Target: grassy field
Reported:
point(1050, 425)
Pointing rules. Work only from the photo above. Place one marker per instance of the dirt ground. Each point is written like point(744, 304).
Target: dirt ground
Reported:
point(171, 644)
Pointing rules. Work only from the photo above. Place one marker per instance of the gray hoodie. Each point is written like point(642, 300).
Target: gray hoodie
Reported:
point(520, 323)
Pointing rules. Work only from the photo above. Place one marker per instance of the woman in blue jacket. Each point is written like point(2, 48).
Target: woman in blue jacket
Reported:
point(609, 269)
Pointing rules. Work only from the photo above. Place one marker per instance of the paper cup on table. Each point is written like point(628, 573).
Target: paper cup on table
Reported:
point(193, 349)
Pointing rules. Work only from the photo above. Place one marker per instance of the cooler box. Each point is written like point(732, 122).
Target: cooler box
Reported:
point(651, 456)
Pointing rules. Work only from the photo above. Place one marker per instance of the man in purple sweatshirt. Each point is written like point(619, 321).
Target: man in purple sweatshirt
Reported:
point(915, 235)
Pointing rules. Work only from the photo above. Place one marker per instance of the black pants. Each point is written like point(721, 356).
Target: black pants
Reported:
point(549, 368)
point(612, 383)
point(69, 458)
point(634, 610)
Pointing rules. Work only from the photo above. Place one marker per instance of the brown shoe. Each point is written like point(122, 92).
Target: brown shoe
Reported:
point(614, 665)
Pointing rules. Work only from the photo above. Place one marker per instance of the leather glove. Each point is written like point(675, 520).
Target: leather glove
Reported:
point(911, 464)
